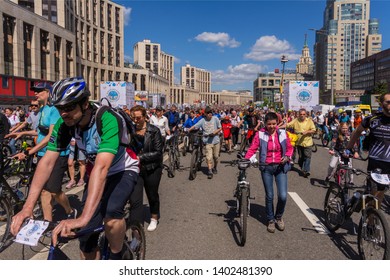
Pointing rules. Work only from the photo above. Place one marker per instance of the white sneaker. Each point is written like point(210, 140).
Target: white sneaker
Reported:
point(153, 225)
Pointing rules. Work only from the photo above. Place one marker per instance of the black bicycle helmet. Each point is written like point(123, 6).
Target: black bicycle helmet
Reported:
point(68, 91)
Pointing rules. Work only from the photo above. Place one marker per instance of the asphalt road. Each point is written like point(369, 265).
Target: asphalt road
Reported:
point(196, 221)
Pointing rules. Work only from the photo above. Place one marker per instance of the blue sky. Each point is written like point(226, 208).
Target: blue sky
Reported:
point(234, 40)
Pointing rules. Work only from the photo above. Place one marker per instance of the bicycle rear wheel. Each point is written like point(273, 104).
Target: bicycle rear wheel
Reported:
point(5, 220)
point(185, 145)
point(334, 207)
point(135, 242)
point(194, 164)
point(325, 140)
point(243, 197)
point(171, 163)
point(373, 236)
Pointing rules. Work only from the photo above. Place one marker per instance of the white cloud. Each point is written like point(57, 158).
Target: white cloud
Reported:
point(126, 15)
point(237, 74)
point(127, 58)
point(221, 39)
point(270, 47)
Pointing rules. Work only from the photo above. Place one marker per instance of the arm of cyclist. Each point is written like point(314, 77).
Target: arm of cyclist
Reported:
point(17, 135)
point(355, 136)
point(96, 185)
point(44, 169)
point(37, 147)
point(197, 125)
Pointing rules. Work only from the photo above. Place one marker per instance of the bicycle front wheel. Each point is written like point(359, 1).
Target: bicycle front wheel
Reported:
point(243, 215)
point(325, 140)
point(171, 163)
point(5, 220)
point(314, 148)
point(135, 242)
point(243, 143)
point(334, 207)
point(194, 164)
point(373, 236)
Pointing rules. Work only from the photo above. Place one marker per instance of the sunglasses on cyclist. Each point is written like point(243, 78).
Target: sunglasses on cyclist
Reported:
point(34, 105)
point(67, 108)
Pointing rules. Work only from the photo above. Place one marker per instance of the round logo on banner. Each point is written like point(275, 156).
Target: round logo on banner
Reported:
point(304, 96)
point(113, 95)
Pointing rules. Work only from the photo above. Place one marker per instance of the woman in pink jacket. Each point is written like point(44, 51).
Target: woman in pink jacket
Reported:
point(275, 152)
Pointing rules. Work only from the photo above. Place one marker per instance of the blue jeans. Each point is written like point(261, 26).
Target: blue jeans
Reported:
point(267, 175)
point(11, 144)
point(326, 130)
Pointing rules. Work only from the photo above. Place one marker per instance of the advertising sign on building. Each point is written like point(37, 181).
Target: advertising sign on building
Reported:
point(300, 94)
point(118, 93)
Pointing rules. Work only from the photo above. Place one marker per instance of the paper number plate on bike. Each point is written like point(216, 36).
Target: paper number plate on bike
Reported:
point(382, 179)
point(31, 232)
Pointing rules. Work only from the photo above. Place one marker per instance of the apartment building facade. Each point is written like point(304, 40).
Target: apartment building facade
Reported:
point(348, 35)
point(368, 72)
point(195, 78)
point(51, 40)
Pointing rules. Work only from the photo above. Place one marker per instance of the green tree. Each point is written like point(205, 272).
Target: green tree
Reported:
point(381, 88)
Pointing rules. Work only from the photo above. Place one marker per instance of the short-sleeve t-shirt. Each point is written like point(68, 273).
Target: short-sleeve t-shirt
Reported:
point(92, 143)
point(379, 125)
point(49, 115)
point(209, 127)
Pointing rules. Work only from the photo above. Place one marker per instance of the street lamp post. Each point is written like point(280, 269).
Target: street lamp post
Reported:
point(326, 33)
point(283, 60)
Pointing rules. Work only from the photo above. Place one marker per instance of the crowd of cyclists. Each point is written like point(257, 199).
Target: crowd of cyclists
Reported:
point(118, 163)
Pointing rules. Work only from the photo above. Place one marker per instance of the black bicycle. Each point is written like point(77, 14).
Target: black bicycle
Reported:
point(134, 242)
point(13, 196)
point(173, 155)
point(197, 154)
point(242, 194)
point(342, 201)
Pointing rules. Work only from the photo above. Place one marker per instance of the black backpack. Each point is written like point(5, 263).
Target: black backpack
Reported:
point(127, 140)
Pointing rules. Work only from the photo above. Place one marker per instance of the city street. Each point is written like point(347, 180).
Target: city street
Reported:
point(196, 222)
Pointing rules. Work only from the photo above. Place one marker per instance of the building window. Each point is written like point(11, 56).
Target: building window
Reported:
point(8, 30)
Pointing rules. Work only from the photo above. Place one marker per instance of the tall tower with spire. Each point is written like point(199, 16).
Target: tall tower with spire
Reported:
point(305, 64)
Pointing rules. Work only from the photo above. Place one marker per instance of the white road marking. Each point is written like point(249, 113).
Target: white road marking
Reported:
point(313, 219)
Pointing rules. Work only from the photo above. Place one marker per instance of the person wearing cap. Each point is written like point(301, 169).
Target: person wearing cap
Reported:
point(112, 169)
point(357, 119)
point(344, 118)
point(160, 121)
point(49, 115)
point(211, 127)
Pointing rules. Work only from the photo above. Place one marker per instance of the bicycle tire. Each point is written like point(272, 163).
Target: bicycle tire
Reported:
point(325, 140)
point(177, 158)
point(371, 236)
point(135, 242)
point(185, 146)
point(243, 198)
point(171, 164)
point(193, 164)
point(334, 207)
point(314, 148)
point(6, 214)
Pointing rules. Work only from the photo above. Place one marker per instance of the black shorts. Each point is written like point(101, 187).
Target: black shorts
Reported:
point(54, 184)
point(116, 193)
